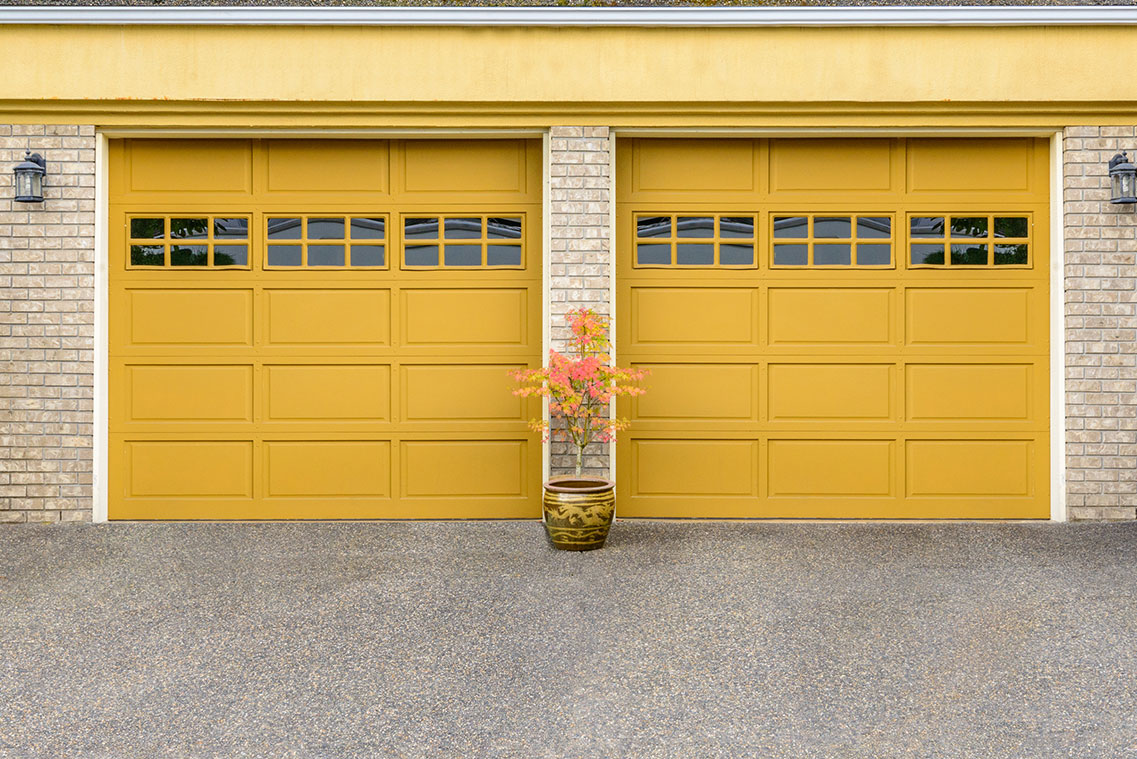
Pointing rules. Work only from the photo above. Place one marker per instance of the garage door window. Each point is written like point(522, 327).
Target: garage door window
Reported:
point(326, 241)
point(457, 242)
point(188, 242)
point(689, 240)
point(970, 240)
point(823, 241)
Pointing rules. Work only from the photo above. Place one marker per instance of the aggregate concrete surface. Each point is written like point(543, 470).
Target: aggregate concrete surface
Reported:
point(680, 639)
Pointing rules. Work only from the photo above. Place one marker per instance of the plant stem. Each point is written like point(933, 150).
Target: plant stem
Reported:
point(579, 460)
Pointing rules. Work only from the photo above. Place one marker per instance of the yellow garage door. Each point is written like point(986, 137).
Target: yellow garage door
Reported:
point(834, 328)
point(323, 329)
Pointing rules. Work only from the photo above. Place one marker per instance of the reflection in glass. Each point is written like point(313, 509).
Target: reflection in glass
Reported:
point(874, 254)
point(230, 255)
point(325, 255)
point(367, 255)
point(421, 255)
point(736, 255)
point(462, 255)
point(325, 229)
point(791, 226)
point(189, 229)
point(503, 255)
point(284, 255)
point(503, 229)
point(236, 229)
point(284, 229)
point(830, 254)
point(1011, 255)
point(693, 254)
point(874, 227)
point(975, 226)
point(790, 255)
point(420, 229)
point(1012, 226)
point(927, 226)
point(653, 226)
point(367, 229)
point(189, 255)
point(736, 226)
point(927, 254)
point(966, 254)
point(695, 226)
point(832, 226)
point(653, 254)
point(459, 229)
point(147, 255)
point(148, 228)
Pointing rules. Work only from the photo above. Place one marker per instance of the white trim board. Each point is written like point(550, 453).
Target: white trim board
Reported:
point(1057, 334)
point(578, 17)
point(101, 381)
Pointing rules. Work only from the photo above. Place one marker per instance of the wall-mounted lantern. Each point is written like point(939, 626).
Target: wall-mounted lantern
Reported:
point(1123, 178)
point(29, 178)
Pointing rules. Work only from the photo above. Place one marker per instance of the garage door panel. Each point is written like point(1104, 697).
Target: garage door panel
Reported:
point(460, 393)
point(817, 392)
point(694, 318)
point(318, 393)
point(188, 318)
point(970, 317)
point(976, 168)
point(995, 392)
point(830, 468)
point(703, 169)
point(441, 318)
point(318, 319)
point(831, 167)
point(481, 169)
point(836, 317)
point(189, 167)
point(183, 393)
point(466, 468)
point(308, 168)
point(327, 468)
point(693, 468)
point(188, 469)
point(698, 392)
point(970, 468)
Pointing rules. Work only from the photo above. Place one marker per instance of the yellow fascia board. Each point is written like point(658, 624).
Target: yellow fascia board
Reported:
point(414, 76)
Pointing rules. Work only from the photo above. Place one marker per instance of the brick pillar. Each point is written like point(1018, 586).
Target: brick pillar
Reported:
point(580, 250)
point(47, 327)
point(1101, 329)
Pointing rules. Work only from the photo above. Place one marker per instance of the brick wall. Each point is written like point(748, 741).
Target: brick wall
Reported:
point(580, 250)
point(1101, 330)
point(47, 327)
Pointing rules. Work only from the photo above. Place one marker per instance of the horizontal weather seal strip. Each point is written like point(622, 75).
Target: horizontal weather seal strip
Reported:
point(584, 17)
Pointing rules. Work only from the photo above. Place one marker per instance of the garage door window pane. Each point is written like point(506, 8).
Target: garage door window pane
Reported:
point(1012, 226)
point(325, 229)
point(927, 254)
point(463, 229)
point(833, 227)
point(653, 226)
point(503, 255)
point(874, 227)
point(1011, 255)
point(189, 255)
point(498, 228)
point(367, 255)
point(970, 227)
point(791, 255)
point(791, 226)
point(284, 255)
point(737, 227)
point(874, 255)
point(231, 229)
point(927, 226)
point(463, 255)
point(325, 255)
point(147, 255)
point(653, 255)
point(141, 229)
point(230, 255)
point(695, 226)
point(420, 228)
point(422, 255)
point(832, 255)
point(736, 255)
point(368, 229)
point(189, 229)
point(695, 255)
point(284, 229)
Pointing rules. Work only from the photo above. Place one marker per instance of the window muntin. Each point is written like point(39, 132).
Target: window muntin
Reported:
point(463, 242)
point(188, 241)
point(326, 241)
point(706, 240)
point(969, 240)
point(828, 240)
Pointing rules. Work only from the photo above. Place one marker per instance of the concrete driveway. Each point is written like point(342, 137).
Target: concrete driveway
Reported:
point(470, 640)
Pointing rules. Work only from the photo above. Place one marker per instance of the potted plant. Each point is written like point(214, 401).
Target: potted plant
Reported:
point(580, 386)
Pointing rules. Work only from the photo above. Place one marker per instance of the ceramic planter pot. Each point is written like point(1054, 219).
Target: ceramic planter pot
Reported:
point(578, 512)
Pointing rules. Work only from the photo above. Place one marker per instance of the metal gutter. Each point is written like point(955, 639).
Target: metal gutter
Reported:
point(546, 16)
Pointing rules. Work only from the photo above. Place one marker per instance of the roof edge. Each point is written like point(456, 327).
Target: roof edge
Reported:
point(546, 16)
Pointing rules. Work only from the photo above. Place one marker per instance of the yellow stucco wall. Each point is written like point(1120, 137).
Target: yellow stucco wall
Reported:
point(417, 75)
